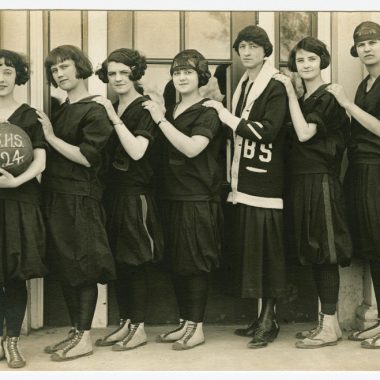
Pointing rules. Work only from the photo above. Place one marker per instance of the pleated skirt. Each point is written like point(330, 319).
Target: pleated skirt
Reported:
point(134, 228)
point(258, 263)
point(362, 189)
point(22, 241)
point(77, 243)
point(192, 235)
point(316, 221)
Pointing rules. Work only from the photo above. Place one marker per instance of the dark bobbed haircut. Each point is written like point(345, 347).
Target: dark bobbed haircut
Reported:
point(255, 34)
point(129, 57)
point(192, 59)
point(63, 53)
point(312, 45)
point(19, 62)
point(367, 30)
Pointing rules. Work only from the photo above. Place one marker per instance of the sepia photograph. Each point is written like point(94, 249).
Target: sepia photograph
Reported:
point(189, 190)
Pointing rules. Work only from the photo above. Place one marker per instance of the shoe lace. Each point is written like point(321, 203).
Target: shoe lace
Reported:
point(317, 329)
point(73, 341)
point(190, 330)
point(13, 349)
point(132, 330)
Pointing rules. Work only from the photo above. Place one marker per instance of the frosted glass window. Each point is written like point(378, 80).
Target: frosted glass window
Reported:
point(65, 28)
point(154, 81)
point(210, 33)
point(14, 36)
point(157, 33)
point(293, 27)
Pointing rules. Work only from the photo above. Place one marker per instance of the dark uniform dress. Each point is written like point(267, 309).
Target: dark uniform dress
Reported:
point(133, 226)
point(22, 231)
point(190, 192)
point(362, 181)
point(257, 176)
point(314, 204)
point(78, 247)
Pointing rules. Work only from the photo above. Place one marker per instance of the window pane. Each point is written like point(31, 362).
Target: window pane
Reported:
point(65, 28)
point(157, 33)
point(209, 32)
point(154, 81)
point(293, 27)
point(14, 36)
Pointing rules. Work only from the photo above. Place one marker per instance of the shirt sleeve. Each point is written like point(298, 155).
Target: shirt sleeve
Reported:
point(207, 124)
point(96, 131)
point(36, 134)
point(267, 128)
point(326, 114)
point(146, 126)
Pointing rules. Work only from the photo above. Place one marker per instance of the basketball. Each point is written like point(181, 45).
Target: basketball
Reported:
point(16, 150)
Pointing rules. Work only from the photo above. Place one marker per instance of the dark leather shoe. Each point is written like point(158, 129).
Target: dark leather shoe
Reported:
point(249, 331)
point(262, 337)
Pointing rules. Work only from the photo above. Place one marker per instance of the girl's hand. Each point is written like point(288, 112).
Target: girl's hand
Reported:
point(154, 109)
point(214, 104)
point(46, 125)
point(106, 103)
point(338, 91)
point(287, 82)
point(7, 180)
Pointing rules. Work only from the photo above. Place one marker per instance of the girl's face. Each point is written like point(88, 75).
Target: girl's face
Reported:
point(185, 80)
point(7, 78)
point(65, 75)
point(308, 64)
point(118, 77)
point(369, 52)
point(251, 54)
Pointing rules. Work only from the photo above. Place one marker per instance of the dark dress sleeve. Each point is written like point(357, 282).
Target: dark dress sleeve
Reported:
point(207, 124)
point(326, 114)
point(36, 133)
point(146, 126)
point(267, 128)
point(96, 132)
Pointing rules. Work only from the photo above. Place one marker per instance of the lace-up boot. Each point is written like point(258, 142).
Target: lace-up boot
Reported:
point(136, 337)
point(119, 334)
point(12, 353)
point(263, 336)
point(2, 353)
point(306, 333)
point(324, 335)
point(58, 346)
point(192, 337)
point(173, 335)
point(80, 345)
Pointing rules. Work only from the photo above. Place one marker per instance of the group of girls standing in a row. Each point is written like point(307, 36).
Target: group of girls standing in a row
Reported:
point(95, 207)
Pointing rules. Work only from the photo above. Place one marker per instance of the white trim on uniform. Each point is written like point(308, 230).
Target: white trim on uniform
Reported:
point(252, 200)
point(253, 130)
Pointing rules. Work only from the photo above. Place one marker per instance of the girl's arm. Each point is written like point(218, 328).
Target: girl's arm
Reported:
point(364, 118)
point(304, 130)
point(71, 152)
point(189, 146)
point(135, 146)
point(37, 166)
point(266, 129)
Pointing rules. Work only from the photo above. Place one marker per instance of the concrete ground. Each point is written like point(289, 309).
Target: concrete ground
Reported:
point(223, 351)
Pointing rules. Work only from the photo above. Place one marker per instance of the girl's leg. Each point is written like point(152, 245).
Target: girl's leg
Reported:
point(2, 311)
point(80, 344)
point(121, 289)
point(327, 333)
point(372, 334)
point(196, 287)
point(15, 300)
point(137, 296)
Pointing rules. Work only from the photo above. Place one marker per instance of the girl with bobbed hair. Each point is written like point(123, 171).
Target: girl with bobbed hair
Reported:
point(317, 229)
point(257, 121)
point(22, 231)
point(133, 226)
point(73, 185)
point(362, 181)
point(189, 189)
